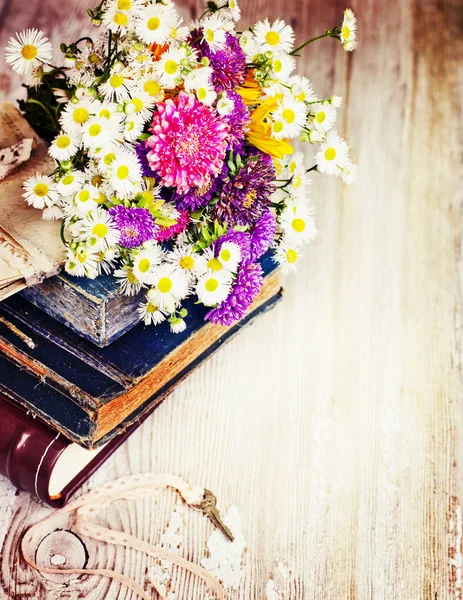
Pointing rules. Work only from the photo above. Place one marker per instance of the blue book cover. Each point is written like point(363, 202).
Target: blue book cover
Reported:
point(91, 394)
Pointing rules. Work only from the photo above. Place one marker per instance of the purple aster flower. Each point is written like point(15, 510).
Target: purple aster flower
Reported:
point(228, 64)
point(263, 235)
point(247, 285)
point(135, 224)
point(142, 152)
point(239, 120)
point(198, 198)
point(246, 196)
point(241, 239)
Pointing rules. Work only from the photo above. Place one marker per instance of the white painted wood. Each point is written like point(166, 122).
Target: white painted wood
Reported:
point(334, 423)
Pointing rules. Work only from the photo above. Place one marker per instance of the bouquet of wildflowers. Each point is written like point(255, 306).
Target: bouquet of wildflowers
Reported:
point(175, 169)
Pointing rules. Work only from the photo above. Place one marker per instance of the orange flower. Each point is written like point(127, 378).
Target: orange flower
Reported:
point(250, 91)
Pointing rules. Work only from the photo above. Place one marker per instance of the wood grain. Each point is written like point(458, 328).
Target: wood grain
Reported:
point(334, 424)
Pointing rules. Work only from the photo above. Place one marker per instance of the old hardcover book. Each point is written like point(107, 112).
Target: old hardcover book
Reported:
point(30, 248)
point(92, 394)
point(40, 460)
point(93, 308)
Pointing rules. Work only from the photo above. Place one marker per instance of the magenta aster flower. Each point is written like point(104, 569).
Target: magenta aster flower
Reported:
point(247, 285)
point(188, 144)
point(263, 235)
point(135, 224)
point(166, 233)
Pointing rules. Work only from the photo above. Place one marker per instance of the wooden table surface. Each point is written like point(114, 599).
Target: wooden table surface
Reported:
point(334, 424)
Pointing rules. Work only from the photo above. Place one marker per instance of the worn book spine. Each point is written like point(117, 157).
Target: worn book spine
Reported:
point(29, 450)
point(93, 308)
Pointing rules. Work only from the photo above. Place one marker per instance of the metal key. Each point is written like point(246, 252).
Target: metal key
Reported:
point(208, 505)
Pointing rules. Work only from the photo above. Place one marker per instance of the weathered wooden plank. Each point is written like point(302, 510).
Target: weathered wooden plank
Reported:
point(344, 460)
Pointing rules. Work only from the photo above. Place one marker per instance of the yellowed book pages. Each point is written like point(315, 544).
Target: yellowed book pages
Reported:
point(29, 245)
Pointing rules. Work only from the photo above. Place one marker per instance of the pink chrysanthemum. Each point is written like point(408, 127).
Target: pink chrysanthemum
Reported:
point(188, 144)
point(165, 234)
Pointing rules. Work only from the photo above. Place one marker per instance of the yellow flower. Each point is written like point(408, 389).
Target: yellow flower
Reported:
point(250, 91)
point(260, 131)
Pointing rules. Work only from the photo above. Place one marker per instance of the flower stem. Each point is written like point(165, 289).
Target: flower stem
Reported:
point(52, 118)
point(314, 168)
point(327, 33)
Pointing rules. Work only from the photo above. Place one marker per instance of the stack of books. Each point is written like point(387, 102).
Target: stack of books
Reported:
point(78, 371)
point(74, 385)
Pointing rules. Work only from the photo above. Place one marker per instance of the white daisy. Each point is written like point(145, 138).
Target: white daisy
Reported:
point(145, 262)
point(40, 191)
point(215, 31)
point(209, 263)
point(125, 174)
point(288, 118)
point(249, 45)
point(299, 225)
point(177, 325)
point(107, 261)
point(150, 83)
point(100, 225)
point(99, 133)
point(336, 101)
point(230, 256)
point(225, 105)
point(282, 66)
point(322, 116)
point(185, 258)
point(64, 146)
point(316, 136)
point(348, 34)
point(70, 183)
point(75, 115)
point(232, 11)
point(154, 24)
point(169, 68)
point(333, 155)
point(287, 256)
point(178, 31)
point(276, 37)
point(120, 21)
point(169, 287)
point(302, 89)
point(111, 112)
point(82, 262)
point(133, 128)
point(350, 173)
point(206, 95)
point(151, 314)
point(119, 86)
point(213, 288)
point(85, 200)
point(140, 105)
point(52, 213)
point(198, 78)
point(28, 51)
point(128, 283)
point(105, 160)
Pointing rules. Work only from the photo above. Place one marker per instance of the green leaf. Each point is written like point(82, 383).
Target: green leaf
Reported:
point(197, 214)
point(165, 222)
